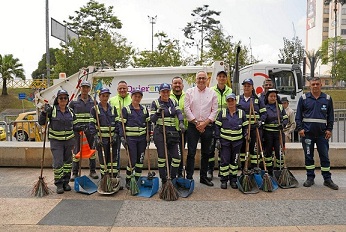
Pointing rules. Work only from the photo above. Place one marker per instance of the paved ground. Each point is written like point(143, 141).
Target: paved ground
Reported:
point(207, 209)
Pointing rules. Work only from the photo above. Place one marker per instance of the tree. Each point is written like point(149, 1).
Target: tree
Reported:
point(9, 69)
point(313, 58)
point(93, 19)
point(41, 70)
point(203, 24)
point(293, 51)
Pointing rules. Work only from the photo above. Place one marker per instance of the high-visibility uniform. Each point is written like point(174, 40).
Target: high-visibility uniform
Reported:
point(260, 114)
point(82, 110)
point(315, 116)
point(135, 123)
point(171, 111)
point(271, 135)
point(61, 136)
point(109, 125)
point(230, 129)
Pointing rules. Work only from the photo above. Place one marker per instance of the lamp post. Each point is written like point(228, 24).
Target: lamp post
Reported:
point(47, 44)
point(152, 20)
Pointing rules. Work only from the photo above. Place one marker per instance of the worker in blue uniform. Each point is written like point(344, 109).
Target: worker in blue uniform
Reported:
point(61, 136)
point(171, 111)
point(272, 129)
point(105, 135)
point(81, 107)
point(135, 118)
point(243, 102)
point(230, 129)
point(315, 119)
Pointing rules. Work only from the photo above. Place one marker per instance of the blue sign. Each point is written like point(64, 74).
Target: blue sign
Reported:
point(21, 96)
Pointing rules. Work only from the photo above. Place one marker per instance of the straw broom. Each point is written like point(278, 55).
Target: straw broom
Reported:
point(40, 188)
point(134, 189)
point(168, 191)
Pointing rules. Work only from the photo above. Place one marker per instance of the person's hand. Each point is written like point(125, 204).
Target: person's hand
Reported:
point(79, 127)
point(182, 127)
point(160, 109)
point(280, 127)
point(328, 134)
point(301, 133)
point(97, 141)
point(114, 138)
point(47, 109)
point(258, 124)
point(218, 144)
point(123, 142)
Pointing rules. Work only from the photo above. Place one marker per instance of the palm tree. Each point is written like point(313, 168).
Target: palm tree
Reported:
point(313, 57)
point(10, 68)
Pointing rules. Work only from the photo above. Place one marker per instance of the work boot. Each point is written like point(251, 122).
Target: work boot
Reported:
point(224, 185)
point(74, 176)
point(66, 187)
point(234, 184)
point(309, 182)
point(93, 175)
point(330, 184)
point(59, 189)
point(128, 183)
point(210, 175)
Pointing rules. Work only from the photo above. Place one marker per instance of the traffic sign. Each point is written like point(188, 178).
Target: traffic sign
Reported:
point(21, 96)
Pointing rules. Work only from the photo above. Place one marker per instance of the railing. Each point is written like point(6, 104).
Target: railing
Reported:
point(24, 130)
point(32, 83)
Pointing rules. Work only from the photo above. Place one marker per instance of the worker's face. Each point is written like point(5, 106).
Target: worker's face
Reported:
point(85, 90)
point(285, 104)
point(272, 98)
point(177, 86)
point(136, 98)
point(104, 97)
point(201, 80)
point(62, 100)
point(231, 103)
point(315, 86)
point(164, 94)
point(122, 89)
point(221, 79)
point(247, 88)
point(268, 84)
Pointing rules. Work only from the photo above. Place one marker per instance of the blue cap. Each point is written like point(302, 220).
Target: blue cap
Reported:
point(164, 86)
point(85, 83)
point(230, 96)
point(137, 91)
point(224, 72)
point(104, 90)
point(61, 92)
point(248, 80)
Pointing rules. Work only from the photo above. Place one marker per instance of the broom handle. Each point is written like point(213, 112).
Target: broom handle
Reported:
point(147, 150)
point(110, 149)
point(99, 132)
point(123, 126)
point(80, 152)
point(44, 144)
point(182, 153)
point(164, 143)
point(247, 144)
point(280, 136)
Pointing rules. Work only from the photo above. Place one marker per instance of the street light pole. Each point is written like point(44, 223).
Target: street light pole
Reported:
point(152, 20)
point(47, 44)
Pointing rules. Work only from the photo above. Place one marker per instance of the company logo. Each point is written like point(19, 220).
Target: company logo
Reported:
point(151, 88)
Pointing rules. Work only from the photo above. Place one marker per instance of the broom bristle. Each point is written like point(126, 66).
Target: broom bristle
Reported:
point(285, 178)
point(133, 186)
point(267, 185)
point(40, 188)
point(106, 183)
point(169, 192)
point(246, 183)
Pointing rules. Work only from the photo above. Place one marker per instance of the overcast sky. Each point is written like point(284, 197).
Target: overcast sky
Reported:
point(266, 22)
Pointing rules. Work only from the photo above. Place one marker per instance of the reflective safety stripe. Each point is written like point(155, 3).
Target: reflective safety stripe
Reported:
point(317, 120)
point(310, 167)
point(175, 162)
point(83, 118)
point(169, 121)
point(325, 169)
point(161, 162)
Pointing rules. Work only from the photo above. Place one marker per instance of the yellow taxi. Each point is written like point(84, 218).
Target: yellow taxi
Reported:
point(26, 128)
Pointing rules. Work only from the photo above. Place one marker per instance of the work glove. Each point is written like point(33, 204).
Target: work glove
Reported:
point(258, 124)
point(97, 141)
point(47, 109)
point(114, 138)
point(123, 142)
point(160, 109)
point(182, 127)
point(280, 127)
point(80, 127)
point(218, 144)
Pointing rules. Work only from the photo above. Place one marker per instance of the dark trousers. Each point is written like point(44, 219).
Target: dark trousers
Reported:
point(229, 159)
point(322, 144)
point(136, 145)
point(253, 156)
point(92, 159)
point(108, 150)
point(193, 136)
point(272, 140)
point(62, 160)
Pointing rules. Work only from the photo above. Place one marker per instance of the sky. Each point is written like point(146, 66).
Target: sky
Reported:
point(259, 23)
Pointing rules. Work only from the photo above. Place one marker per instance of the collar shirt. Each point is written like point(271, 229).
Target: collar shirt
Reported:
point(200, 104)
point(291, 125)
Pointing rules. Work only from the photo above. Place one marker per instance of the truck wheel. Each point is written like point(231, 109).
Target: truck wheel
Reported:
point(21, 136)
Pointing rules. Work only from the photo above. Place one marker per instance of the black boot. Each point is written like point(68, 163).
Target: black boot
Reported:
point(223, 184)
point(59, 189)
point(128, 183)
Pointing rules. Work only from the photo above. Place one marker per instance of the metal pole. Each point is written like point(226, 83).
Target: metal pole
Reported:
point(335, 38)
point(47, 44)
point(152, 20)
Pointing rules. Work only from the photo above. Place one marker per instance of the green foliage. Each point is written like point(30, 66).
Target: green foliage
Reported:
point(293, 51)
point(94, 19)
point(10, 68)
point(41, 70)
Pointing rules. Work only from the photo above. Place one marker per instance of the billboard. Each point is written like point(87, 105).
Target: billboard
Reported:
point(62, 32)
point(311, 14)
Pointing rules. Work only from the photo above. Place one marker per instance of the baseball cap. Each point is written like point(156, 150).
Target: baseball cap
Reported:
point(137, 91)
point(222, 71)
point(284, 99)
point(85, 83)
point(104, 90)
point(61, 92)
point(248, 80)
point(230, 96)
point(271, 91)
point(164, 86)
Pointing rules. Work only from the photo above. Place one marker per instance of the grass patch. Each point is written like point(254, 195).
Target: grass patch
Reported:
point(11, 101)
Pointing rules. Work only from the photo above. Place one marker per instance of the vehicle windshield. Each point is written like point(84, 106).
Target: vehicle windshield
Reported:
point(284, 82)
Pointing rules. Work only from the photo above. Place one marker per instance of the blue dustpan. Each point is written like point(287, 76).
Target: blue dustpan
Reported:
point(184, 186)
point(274, 182)
point(84, 185)
point(148, 187)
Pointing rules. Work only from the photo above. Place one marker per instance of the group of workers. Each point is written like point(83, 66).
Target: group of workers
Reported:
point(214, 116)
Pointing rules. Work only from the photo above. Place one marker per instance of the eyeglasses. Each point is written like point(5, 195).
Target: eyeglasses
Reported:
point(201, 78)
point(62, 98)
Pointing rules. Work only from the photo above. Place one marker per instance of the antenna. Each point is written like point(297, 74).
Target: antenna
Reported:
point(294, 30)
point(250, 51)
